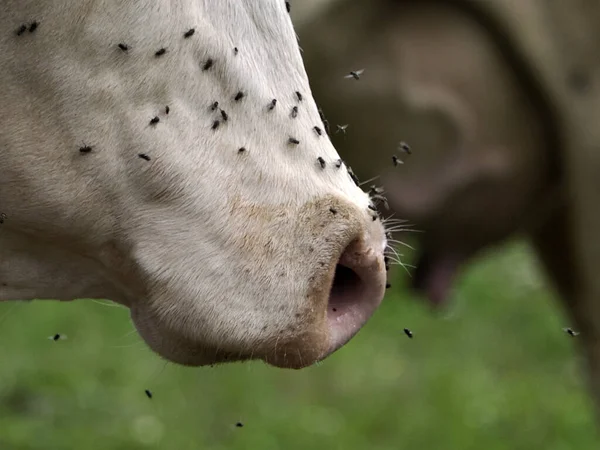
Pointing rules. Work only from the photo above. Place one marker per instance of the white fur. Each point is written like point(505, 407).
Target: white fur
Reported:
point(207, 247)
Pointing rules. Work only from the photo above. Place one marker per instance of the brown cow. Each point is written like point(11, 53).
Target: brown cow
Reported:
point(499, 102)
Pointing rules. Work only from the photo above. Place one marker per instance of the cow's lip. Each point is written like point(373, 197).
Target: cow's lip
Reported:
point(435, 274)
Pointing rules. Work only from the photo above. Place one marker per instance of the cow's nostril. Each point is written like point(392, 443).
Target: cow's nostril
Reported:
point(356, 291)
point(345, 288)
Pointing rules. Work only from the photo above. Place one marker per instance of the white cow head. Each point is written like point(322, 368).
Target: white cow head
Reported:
point(169, 156)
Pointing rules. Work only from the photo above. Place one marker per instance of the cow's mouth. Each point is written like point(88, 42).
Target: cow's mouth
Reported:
point(435, 275)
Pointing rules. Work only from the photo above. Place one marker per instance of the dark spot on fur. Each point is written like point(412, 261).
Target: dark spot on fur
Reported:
point(123, 47)
point(154, 120)
point(160, 52)
point(144, 156)
point(189, 33)
point(239, 96)
point(293, 140)
point(215, 125)
point(208, 64)
point(333, 210)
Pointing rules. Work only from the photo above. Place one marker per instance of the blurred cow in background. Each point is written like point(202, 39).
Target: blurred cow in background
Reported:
point(499, 101)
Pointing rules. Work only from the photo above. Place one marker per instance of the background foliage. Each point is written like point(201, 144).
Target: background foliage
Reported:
point(496, 372)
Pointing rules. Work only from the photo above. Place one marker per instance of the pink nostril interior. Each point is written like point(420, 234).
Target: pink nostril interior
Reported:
point(356, 292)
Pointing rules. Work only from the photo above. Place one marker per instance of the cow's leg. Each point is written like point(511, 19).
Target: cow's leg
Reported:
point(553, 241)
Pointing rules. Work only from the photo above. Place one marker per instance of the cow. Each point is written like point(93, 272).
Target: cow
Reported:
point(170, 157)
point(498, 102)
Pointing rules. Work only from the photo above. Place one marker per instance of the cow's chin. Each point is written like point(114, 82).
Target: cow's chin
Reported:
point(287, 355)
point(283, 348)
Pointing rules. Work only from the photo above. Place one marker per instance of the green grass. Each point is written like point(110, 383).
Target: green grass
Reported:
point(499, 373)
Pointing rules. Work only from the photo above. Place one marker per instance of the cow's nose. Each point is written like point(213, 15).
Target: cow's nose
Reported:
point(357, 288)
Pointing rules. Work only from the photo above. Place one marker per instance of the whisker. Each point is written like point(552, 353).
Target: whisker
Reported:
point(111, 304)
point(395, 241)
point(369, 180)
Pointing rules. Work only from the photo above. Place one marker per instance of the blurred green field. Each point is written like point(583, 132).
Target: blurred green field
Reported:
point(497, 373)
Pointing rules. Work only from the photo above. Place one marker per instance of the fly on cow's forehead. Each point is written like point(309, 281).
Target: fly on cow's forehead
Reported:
point(294, 113)
point(189, 33)
point(293, 140)
point(215, 125)
point(208, 64)
point(299, 96)
point(144, 156)
point(22, 29)
point(272, 104)
point(154, 120)
point(224, 116)
point(160, 52)
point(321, 162)
point(85, 148)
point(123, 47)
point(318, 130)
point(214, 106)
point(33, 26)
point(239, 96)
